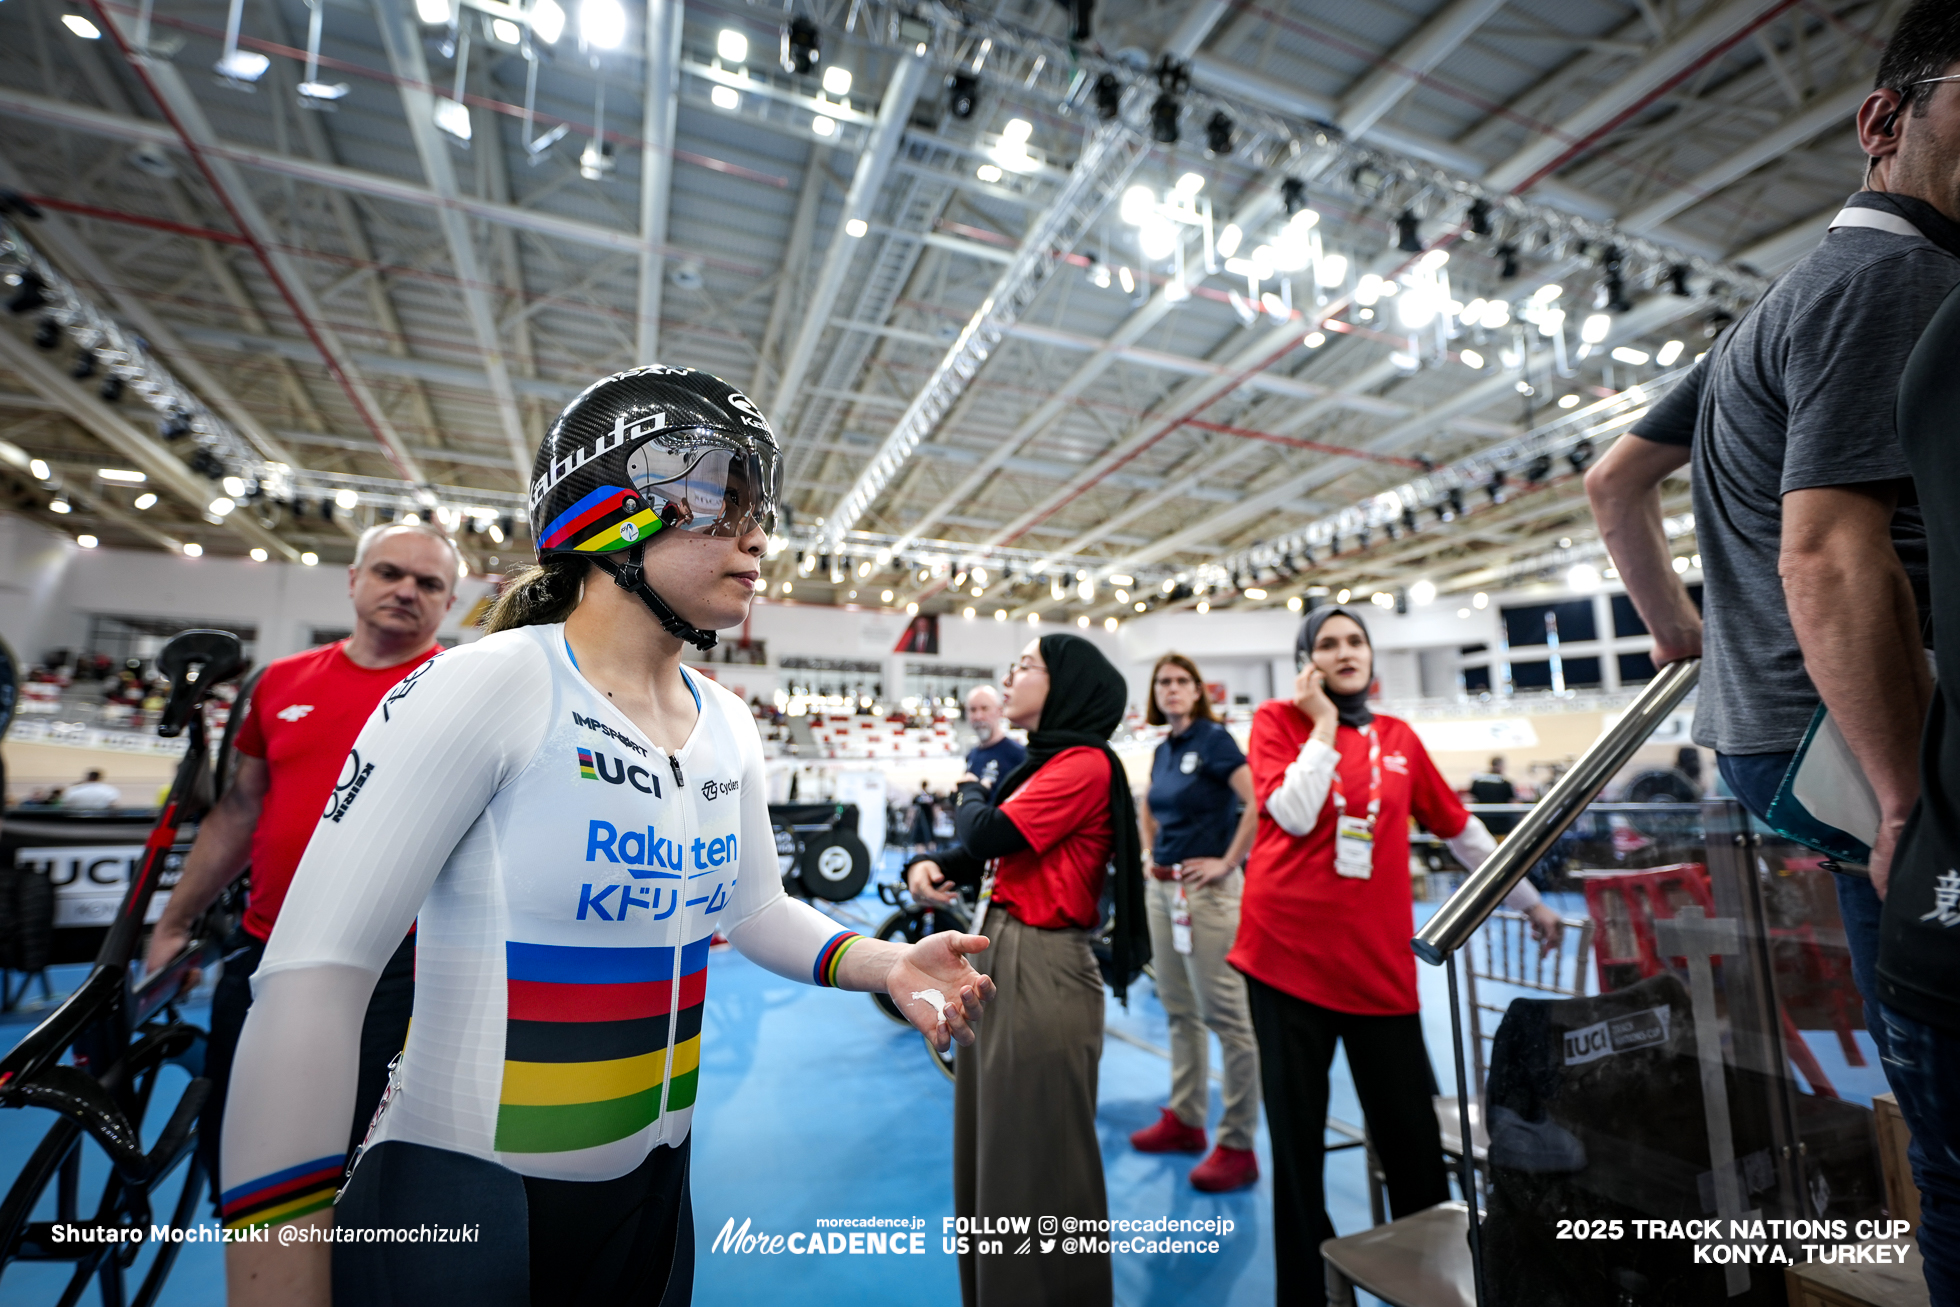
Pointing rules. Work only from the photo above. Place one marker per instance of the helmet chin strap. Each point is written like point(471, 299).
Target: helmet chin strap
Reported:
point(630, 575)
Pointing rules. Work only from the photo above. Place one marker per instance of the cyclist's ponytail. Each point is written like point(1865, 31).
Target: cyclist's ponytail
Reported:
point(538, 595)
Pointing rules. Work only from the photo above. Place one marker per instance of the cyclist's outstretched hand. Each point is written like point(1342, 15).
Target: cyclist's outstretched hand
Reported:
point(938, 962)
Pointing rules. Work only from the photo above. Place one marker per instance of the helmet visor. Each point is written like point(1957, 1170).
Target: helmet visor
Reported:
point(708, 490)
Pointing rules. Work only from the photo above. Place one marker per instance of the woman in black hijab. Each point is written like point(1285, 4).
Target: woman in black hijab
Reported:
point(1043, 848)
point(1324, 933)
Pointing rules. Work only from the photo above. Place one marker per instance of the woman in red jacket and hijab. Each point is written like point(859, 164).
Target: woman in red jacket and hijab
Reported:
point(1324, 933)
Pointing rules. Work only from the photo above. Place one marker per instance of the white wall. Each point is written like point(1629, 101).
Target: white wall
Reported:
point(51, 586)
point(33, 566)
point(1251, 651)
point(868, 634)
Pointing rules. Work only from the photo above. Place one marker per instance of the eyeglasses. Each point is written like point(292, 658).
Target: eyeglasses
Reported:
point(1928, 81)
point(1021, 668)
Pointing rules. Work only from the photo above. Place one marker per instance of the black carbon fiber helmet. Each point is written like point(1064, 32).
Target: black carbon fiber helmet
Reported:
point(649, 450)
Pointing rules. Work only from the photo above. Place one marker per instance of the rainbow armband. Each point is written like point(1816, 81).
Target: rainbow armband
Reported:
point(831, 955)
point(284, 1195)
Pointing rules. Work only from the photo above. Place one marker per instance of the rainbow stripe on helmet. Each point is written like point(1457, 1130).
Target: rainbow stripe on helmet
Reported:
point(588, 526)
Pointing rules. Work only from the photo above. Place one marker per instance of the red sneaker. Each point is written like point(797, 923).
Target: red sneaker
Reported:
point(1169, 1135)
point(1225, 1170)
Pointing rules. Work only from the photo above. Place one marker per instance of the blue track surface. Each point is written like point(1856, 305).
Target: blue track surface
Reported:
point(815, 1106)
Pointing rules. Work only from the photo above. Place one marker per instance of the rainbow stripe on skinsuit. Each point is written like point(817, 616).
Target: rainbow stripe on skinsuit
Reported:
point(284, 1195)
point(585, 767)
point(586, 1042)
point(832, 954)
point(593, 509)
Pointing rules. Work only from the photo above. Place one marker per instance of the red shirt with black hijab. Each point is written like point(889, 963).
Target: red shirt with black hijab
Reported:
point(1337, 941)
point(1057, 825)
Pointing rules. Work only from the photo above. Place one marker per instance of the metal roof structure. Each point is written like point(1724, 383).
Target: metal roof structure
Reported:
point(1038, 319)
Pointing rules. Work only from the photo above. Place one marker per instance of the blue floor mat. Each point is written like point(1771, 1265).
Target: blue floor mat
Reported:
point(816, 1107)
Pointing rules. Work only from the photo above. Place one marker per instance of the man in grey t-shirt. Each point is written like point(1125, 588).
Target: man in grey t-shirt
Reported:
point(1813, 549)
point(1787, 424)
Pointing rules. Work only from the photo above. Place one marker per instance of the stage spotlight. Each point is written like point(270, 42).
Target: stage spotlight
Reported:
point(1218, 133)
point(1406, 238)
point(1080, 18)
point(1173, 80)
point(1613, 292)
point(1479, 218)
point(1580, 455)
point(47, 333)
point(29, 295)
point(1109, 96)
point(174, 426)
point(963, 94)
point(801, 46)
point(84, 366)
point(1293, 194)
point(1538, 469)
point(1677, 278)
point(1164, 111)
point(1507, 262)
point(112, 388)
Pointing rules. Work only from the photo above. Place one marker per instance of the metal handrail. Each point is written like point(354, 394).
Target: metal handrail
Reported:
point(1483, 892)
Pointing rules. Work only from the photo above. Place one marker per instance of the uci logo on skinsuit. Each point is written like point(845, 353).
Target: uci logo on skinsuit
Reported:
point(595, 766)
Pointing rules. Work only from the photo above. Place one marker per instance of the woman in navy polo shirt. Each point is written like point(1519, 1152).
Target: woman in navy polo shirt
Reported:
point(1197, 830)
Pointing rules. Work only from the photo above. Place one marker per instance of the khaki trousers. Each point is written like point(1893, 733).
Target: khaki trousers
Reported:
point(1200, 990)
point(1024, 1121)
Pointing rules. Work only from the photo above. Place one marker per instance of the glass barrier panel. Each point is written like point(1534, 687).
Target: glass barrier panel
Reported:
point(1676, 1099)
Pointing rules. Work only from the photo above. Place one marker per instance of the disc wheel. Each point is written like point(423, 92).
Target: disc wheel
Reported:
point(834, 865)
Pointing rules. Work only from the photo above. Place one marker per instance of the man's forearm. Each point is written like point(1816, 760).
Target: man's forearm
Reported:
point(1637, 542)
point(1856, 622)
point(1624, 489)
point(220, 852)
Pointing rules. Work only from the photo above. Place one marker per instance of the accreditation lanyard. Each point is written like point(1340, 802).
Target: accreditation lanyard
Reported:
point(1354, 837)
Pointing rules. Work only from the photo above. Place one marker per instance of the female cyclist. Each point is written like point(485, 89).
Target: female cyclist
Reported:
point(569, 816)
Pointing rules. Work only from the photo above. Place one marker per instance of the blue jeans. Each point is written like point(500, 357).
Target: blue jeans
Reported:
point(1754, 778)
point(1923, 1064)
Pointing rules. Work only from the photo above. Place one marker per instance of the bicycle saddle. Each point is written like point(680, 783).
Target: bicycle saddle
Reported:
point(195, 661)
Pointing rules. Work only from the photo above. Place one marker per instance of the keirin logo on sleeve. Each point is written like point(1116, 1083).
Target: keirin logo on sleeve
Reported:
point(353, 776)
point(401, 691)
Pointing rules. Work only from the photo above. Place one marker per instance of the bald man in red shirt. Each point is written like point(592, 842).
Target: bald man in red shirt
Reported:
point(295, 768)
